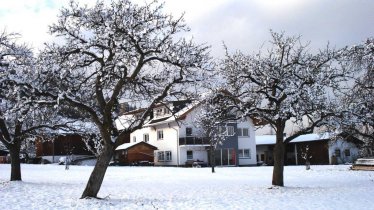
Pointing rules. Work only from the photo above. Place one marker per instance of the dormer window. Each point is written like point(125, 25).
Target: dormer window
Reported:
point(158, 112)
point(161, 111)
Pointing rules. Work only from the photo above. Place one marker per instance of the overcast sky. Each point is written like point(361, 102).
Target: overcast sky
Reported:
point(241, 24)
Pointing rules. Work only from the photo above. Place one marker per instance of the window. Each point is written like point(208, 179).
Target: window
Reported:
point(158, 112)
point(164, 156)
point(337, 152)
point(160, 135)
point(240, 131)
point(160, 156)
point(243, 132)
point(168, 156)
point(188, 131)
point(347, 152)
point(189, 155)
point(146, 137)
point(245, 153)
point(230, 130)
point(226, 130)
point(222, 130)
point(134, 139)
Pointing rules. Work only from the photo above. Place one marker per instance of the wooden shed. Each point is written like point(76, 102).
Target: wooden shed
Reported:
point(135, 153)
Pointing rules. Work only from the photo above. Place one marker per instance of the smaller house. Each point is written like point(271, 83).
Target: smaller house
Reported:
point(135, 153)
point(321, 148)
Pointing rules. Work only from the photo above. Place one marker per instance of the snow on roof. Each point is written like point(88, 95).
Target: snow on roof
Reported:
point(265, 139)
point(128, 145)
point(270, 139)
point(177, 115)
point(186, 109)
point(2, 147)
point(73, 127)
point(124, 121)
point(195, 145)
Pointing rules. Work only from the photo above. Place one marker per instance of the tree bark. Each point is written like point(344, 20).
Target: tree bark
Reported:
point(98, 173)
point(14, 151)
point(307, 165)
point(212, 159)
point(278, 153)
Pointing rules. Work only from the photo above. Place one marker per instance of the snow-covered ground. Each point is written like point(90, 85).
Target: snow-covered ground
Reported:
point(323, 187)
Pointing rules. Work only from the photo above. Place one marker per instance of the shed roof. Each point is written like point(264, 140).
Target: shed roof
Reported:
point(126, 146)
point(271, 139)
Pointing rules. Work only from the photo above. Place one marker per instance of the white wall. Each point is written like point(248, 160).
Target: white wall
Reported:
point(169, 143)
point(190, 123)
point(199, 153)
point(247, 142)
point(342, 146)
point(139, 134)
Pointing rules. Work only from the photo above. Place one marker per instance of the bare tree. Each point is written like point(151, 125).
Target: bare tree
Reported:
point(22, 113)
point(119, 51)
point(358, 121)
point(305, 154)
point(286, 83)
point(211, 119)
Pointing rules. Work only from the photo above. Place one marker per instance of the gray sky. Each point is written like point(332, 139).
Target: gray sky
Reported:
point(241, 24)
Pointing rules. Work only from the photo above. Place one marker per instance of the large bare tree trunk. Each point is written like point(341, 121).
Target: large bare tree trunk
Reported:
point(98, 173)
point(278, 153)
point(15, 174)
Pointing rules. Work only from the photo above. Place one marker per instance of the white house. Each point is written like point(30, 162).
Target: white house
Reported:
point(180, 142)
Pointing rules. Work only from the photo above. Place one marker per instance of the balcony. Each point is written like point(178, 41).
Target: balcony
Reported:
point(191, 140)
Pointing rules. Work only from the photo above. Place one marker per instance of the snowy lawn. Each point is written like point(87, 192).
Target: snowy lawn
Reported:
point(323, 187)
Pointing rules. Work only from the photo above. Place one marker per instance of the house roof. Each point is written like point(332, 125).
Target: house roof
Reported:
point(179, 115)
point(3, 149)
point(136, 111)
point(124, 121)
point(2, 146)
point(184, 106)
point(351, 138)
point(126, 146)
point(158, 120)
point(271, 139)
